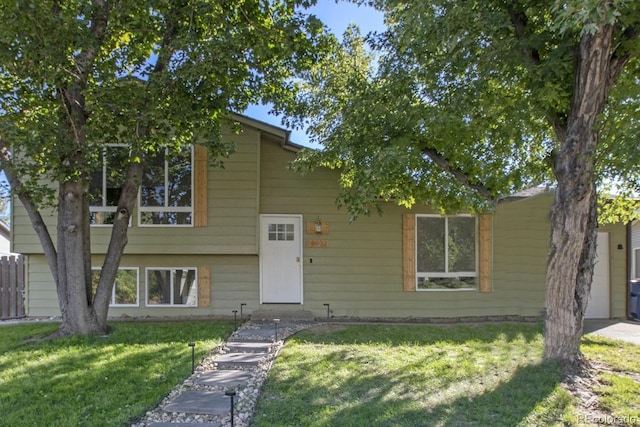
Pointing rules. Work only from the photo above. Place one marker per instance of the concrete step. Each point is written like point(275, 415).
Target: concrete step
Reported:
point(248, 346)
point(224, 378)
point(185, 425)
point(267, 315)
point(201, 402)
point(238, 359)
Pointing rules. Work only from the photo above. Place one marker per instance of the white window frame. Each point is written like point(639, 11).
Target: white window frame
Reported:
point(172, 270)
point(112, 302)
point(446, 274)
point(104, 208)
point(185, 209)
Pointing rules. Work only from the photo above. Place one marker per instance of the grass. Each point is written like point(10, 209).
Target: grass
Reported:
point(329, 375)
point(96, 380)
point(421, 375)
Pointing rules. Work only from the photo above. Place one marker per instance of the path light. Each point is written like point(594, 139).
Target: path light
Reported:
point(242, 305)
point(193, 356)
point(231, 394)
point(276, 321)
point(235, 319)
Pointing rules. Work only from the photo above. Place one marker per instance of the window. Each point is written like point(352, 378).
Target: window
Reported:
point(166, 191)
point(636, 263)
point(446, 248)
point(281, 232)
point(104, 189)
point(171, 286)
point(125, 290)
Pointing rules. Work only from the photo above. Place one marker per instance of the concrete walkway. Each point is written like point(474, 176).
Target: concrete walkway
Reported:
point(625, 330)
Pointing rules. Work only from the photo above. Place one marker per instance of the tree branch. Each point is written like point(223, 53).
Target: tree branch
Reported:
point(457, 173)
point(34, 214)
point(520, 21)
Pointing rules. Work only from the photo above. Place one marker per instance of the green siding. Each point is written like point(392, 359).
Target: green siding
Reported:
point(232, 214)
point(360, 272)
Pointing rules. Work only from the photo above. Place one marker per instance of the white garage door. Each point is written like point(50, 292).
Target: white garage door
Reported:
point(598, 307)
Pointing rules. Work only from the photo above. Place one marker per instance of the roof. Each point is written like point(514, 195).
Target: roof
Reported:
point(527, 193)
point(270, 129)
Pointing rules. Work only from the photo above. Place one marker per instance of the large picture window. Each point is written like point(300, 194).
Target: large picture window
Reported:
point(172, 286)
point(125, 289)
point(104, 189)
point(446, 252)
point(166, 191)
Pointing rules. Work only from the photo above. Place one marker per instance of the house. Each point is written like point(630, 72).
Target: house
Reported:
point(256, 236)
point(5, 238)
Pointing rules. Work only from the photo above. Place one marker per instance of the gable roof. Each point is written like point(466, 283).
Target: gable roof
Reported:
point(278, 133)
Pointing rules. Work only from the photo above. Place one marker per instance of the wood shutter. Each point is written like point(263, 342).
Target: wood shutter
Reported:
point(408, 253)
point(204, 286)
point(485, 247)
point(200, 168)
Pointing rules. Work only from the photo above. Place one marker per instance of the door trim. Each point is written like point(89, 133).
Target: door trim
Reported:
point(300, 233)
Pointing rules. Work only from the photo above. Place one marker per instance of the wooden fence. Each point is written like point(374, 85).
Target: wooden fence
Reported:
point(11, 287)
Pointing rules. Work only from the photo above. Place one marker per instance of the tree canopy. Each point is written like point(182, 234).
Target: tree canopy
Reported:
point(152, 76)
point(459, 103)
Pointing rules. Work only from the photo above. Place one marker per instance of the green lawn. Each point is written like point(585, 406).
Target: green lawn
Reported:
point(95, 380)
point(330, 375)
point(419, 375)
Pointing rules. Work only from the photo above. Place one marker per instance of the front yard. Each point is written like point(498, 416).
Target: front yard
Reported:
point(329, 375)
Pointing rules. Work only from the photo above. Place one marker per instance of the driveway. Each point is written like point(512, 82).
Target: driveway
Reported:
point(626, 330)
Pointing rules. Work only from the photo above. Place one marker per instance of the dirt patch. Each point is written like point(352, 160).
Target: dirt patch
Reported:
point(582, 386)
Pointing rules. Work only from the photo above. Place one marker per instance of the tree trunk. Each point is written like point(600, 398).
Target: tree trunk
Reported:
point(574, 212)
point(77, 316)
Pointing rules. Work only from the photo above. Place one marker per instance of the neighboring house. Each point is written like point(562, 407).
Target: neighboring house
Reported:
point(5, 238)
point(256, 235)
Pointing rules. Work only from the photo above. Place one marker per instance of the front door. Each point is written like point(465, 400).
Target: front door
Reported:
point(281, 259)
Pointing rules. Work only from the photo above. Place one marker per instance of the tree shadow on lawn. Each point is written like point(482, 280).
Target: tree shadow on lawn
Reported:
point(508, 404)
point(92, 370)
point(499, 387)
point(389, 400)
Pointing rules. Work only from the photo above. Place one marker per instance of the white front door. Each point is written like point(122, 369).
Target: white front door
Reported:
point(598, 307)
point(281, 259)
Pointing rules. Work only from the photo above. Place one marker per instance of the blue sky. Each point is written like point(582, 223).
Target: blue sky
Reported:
point(337, 16)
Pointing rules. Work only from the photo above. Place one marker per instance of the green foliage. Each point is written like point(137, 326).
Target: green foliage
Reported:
point(96, 380)
point(457, 104)
point(152, 75)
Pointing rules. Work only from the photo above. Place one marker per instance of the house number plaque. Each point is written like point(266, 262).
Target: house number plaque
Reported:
point(315, 243)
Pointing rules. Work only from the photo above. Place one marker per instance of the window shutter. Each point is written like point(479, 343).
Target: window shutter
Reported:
point(485, 246)
point(408, 253)
point(204, 286)
point(200, 186)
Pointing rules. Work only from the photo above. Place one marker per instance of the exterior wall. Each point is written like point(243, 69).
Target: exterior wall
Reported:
point(359, 273)
point(232, 214)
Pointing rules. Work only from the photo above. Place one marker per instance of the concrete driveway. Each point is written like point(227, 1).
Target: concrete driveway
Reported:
point(626, 330)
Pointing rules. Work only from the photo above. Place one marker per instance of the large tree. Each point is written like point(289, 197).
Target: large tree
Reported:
point(153, 76)
point(459, 103)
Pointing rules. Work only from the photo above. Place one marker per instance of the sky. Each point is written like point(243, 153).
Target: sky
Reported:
point(337, 16)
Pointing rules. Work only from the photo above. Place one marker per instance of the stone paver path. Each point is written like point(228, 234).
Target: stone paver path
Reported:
point(240, 366)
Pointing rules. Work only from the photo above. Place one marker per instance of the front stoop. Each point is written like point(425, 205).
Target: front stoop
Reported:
point(265, 315)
